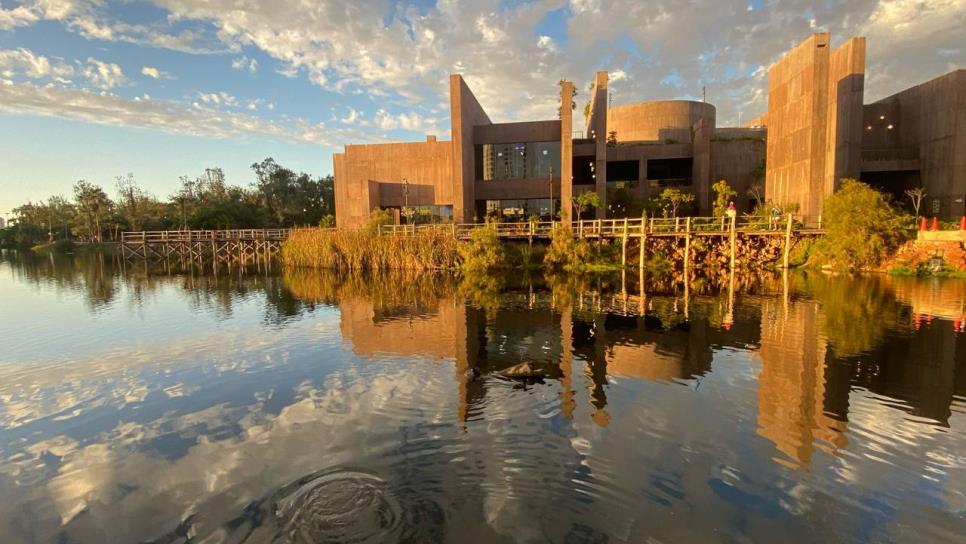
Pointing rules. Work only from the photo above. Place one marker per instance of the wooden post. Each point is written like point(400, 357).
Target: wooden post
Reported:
point(687, 244)
point(788, 240)
point(643, 245)
point(732, 243)
point(624, 246)
point(677, 223)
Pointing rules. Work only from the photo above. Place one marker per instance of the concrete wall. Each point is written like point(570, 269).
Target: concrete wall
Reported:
point(566, 189)
point(928, 133)
point(701, 166)
point(846, 80)
point(814, 121)
point(597, 129)
point(509, 133)
point(659, 120)
point(736, 161)
point(797, 101)
point(465, 114)
point(370, 176)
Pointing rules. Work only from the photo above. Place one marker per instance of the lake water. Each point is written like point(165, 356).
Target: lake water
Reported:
point(139, 404)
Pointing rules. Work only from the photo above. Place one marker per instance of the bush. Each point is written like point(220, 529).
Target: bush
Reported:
point(567, 252)
point(483, 252)
point(862, 228)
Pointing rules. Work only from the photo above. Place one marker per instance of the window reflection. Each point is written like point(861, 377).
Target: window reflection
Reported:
point(522, 209)
point(517, 160)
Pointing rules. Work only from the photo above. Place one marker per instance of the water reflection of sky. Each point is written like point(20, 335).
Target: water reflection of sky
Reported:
point(206, 397)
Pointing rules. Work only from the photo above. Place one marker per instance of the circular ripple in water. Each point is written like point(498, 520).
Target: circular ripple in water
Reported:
point(351, 507)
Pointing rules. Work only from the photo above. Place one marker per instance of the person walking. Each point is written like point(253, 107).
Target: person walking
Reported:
point(775, 218)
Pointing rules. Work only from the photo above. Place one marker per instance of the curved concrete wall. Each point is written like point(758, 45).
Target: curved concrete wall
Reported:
point(658, 120)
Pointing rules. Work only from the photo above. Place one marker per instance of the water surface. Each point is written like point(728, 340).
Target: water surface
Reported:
point(143, 404)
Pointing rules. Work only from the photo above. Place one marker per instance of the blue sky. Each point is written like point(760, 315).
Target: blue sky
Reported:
point(165, 88)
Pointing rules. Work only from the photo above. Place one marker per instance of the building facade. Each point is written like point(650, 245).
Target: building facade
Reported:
point(815, 133)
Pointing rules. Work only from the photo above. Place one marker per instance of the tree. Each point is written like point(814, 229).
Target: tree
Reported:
point(861, 227)
point(671, 200)
point(93, 206)
point(291, 198)
point(916, 195)
point(585, 201)
point(756, 192)
point(724, 194)
point(136, 208)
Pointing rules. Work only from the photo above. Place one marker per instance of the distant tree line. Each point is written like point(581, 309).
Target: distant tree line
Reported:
point(279, 197)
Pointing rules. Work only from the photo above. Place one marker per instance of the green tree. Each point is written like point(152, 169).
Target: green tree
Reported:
point(671, 200)
point(290, 198)
point(93, 206)
point(861, 227)
point(723, 195)
point(585, 201)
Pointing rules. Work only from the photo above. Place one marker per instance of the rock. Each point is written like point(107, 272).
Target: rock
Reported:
point(523, 371)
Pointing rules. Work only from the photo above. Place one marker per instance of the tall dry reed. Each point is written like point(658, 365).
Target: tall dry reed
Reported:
point(342, 249)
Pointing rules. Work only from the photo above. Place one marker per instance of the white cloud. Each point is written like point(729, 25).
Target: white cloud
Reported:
point(219, 99)
point(200, 120)
point(155, 73)
point(23, 63)
point(18, 16)
point(104, 75)
point(245, 63)
point(26, 63)
point(404, 61)
point(412, 121)
point(546, 42)
point(351, 117)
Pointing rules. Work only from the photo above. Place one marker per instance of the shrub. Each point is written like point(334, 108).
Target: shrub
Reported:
point(861, 226)
point(483, 252)
point(378, 218)
point(567, 252)
point(724, 194)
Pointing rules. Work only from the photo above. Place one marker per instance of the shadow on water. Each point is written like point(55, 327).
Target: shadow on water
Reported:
point(308, 406)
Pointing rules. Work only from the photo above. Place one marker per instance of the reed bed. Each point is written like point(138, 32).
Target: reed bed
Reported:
point(364, 249)
point(386, 288)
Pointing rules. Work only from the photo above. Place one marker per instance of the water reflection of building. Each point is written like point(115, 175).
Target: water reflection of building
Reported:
point(802, 402)
point(486, 342)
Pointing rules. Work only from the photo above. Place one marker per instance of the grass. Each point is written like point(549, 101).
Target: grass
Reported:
point(925, 272)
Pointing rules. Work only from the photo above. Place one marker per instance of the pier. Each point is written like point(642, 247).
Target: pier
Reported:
point(237, 246)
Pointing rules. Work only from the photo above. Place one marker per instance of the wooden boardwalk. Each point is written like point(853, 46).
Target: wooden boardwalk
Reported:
point(244, 246)
point(252, 246)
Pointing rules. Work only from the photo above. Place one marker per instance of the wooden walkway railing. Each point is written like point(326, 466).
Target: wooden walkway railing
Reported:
point(183, 236)
point(634, 227)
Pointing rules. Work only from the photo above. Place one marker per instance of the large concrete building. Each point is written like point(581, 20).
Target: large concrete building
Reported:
point(818, 132)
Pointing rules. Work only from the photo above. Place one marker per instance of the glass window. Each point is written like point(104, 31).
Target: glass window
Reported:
point(517, 160)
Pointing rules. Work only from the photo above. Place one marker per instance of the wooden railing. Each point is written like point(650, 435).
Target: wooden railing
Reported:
point(618, 227)
point(182, 236)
